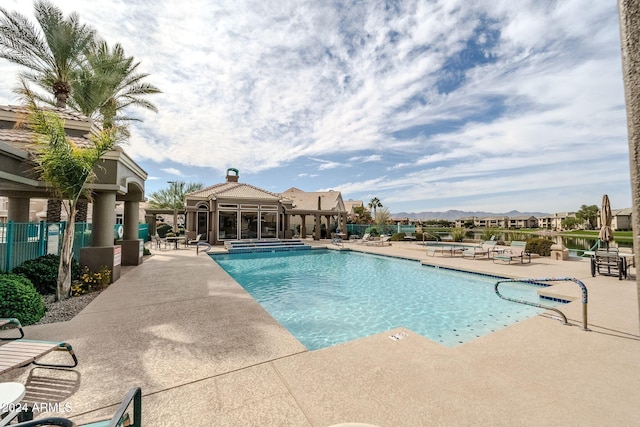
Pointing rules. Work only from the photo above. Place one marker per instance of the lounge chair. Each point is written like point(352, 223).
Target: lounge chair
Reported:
point(194, 241)
point(516, 252)
point(409, 236)
point(131, 402)
point(381, 242)
point(365, 238)
point(610, 262)
point(450, 249)
point(4, 322)
point(484, 249)
point(20, 352)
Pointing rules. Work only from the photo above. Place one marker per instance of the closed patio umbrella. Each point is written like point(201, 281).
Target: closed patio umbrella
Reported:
point(605, 235)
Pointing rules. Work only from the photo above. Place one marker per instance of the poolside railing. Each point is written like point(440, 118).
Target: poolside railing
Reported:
point(542, 282)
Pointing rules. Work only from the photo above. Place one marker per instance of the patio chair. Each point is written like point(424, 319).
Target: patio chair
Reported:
point(8, 322)
point(132, 403)
point(516, 252)
point(158, 241)
point(365, 238)
point(194, 241)
point(610, 262)
point(484, 249)
point(20, 352)
point(443, 249)
point(384, 239)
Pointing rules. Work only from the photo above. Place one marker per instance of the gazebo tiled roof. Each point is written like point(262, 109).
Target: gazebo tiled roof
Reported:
point(235, 190)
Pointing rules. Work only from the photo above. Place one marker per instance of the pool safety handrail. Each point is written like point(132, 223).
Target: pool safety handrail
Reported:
point(424, 233)
point(541, 281)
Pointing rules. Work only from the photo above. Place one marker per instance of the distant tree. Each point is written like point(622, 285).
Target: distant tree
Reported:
point(172, 197)
point(383, 216)
point(374, 204)
point(362, 215)
point(570, 223)
point(588, 214)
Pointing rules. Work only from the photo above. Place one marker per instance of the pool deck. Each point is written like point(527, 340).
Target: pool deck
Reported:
point(206, 354)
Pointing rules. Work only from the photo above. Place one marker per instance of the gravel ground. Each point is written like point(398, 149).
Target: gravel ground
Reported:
point(63, 311)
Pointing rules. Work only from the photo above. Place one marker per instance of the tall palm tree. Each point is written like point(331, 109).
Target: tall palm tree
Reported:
point(50, 52)
point(104, 85)
point(374, 204)
point(107, 83)
point(629, 11)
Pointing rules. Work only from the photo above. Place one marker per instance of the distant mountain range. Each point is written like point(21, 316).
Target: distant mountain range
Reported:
point(452, 215)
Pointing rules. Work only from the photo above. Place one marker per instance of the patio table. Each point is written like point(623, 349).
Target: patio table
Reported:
point(176, 240)
point(10, 396)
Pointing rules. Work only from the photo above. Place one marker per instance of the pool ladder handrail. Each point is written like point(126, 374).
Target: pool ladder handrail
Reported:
point(549, 279)
point(424, 233)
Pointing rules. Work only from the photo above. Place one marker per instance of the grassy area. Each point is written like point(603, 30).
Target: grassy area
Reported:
point(617, 235)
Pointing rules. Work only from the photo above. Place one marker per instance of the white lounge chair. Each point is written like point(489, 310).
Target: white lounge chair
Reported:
point(516, 252)
point(486, 248)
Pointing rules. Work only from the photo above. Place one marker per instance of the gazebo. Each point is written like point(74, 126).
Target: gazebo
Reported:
point(234, 211)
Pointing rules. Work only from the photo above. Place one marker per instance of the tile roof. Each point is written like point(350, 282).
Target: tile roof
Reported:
point(63, 113)
point(23, 139)
point(235, 190)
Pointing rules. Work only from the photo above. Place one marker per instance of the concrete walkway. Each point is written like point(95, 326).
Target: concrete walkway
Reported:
point(206, 354)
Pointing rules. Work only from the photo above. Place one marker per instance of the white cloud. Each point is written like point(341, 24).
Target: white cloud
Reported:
point(447, 99)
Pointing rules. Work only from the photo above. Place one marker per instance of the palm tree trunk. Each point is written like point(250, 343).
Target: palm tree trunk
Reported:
point(54, 210)
point(629, 11)
point(82, 211)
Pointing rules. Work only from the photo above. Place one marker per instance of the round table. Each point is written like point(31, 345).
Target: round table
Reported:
point(10, 396)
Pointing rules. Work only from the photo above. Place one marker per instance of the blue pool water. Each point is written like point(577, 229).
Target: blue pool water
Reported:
point(328, 297)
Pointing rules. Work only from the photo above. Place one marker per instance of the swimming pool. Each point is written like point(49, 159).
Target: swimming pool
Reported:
point(326, 297)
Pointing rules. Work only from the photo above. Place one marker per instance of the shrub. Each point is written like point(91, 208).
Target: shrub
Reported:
point(539, 246)
point(488, 233)
point(163, 229)
point(19, 299)
point(372, 231)
point(457, 234)
point(42, 272)
point(90, 282)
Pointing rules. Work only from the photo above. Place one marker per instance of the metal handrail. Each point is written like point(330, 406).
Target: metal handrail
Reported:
point(549, 279)
point(424, 233)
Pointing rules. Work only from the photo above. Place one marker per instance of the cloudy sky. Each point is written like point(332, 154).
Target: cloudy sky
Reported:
point(426, 105)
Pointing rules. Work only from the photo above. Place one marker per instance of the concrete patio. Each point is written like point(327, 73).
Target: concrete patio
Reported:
point(206, 354)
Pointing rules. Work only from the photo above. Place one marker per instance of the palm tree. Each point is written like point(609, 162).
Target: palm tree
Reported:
point(66, 169)
point(51, 52)
point(173, 197)
point(104, 85)
point(629, 35)
point(374, 204)
point(107, 83)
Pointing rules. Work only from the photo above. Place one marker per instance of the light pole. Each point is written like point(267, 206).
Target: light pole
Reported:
point(173, 202)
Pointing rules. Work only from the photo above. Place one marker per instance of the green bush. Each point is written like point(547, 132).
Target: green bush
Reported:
point(42, 272)
point(539, 246)
point(163, 229)
point(457, 234)
point(19, 299)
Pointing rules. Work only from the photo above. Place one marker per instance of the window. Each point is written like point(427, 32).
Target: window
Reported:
point(249, 221)
point(227, 225)
point(269, 224)
point(202, 220)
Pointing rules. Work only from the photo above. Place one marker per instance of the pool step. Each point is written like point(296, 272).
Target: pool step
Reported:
point(272, 245)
